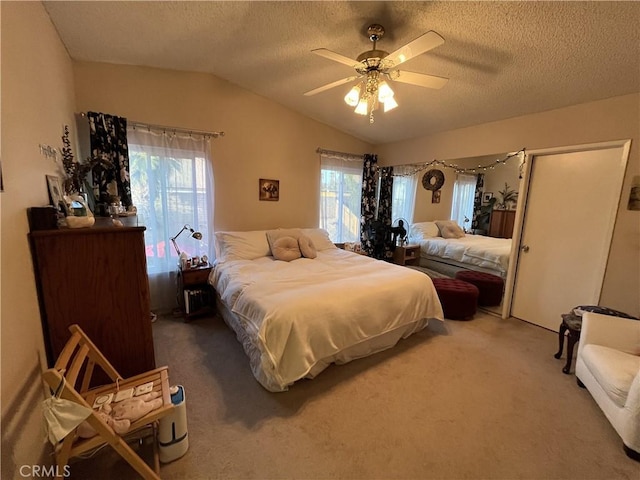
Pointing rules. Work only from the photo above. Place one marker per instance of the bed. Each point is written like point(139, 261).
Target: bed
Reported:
point(459, 250)
point(294, 318)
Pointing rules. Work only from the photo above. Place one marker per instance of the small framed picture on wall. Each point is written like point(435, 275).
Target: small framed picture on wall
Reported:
point(435, 196)
point(269, 190)
point(486, 197)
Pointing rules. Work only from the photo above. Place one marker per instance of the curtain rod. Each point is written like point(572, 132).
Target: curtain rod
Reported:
point(166, 128)
point(340, 155)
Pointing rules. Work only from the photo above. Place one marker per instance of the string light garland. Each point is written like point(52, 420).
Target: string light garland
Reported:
point(411, 169)
point(458, 169)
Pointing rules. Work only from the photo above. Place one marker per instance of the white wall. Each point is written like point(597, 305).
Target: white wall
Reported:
point(37, 101)
point(612, 119)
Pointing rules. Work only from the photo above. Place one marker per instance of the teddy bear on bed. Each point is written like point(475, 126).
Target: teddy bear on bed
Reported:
point(121, 415)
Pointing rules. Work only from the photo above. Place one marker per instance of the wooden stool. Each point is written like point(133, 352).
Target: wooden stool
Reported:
point(571, 323)
point(459, 299)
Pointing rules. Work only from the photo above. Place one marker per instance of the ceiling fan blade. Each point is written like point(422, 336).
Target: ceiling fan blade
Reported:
point(419, 79)
point(336, 57)
point(330, 85)
point(412, 49)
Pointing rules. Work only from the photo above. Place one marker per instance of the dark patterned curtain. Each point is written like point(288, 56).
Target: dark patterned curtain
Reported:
point(368, 204)
point(108, 135)
point(384, 212)
point(477, 201)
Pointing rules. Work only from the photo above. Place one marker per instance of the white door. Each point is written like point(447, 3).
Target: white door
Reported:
point(570, 211)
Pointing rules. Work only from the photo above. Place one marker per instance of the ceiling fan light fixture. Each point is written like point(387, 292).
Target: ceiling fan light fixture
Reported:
point(363, 107)
point(384, 91)
point(389, 104)
point(353, 97)
point(373, 66)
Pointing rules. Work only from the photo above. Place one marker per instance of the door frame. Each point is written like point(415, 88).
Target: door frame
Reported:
point(523, 196)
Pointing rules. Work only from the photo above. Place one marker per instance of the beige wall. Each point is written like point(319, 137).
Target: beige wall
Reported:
point(37, 101)
point(262, 139)
point(612, 119)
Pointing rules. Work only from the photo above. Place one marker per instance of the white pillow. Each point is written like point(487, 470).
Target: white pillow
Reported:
point(319, 237)
point(449, 229)
point(241, 245)
point(424, 230)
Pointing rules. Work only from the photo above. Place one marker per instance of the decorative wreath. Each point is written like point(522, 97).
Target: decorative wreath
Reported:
point(433, 179)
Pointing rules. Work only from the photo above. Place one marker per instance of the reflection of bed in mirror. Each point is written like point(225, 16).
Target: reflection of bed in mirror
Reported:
point(470, 252)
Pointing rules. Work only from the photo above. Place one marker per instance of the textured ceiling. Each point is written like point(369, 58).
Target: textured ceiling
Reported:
point(503, 59)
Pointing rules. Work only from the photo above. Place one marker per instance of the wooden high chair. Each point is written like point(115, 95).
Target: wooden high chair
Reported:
point(80, 355)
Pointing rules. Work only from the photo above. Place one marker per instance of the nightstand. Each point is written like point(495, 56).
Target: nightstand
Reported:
point(407, 255)
point(195, 294)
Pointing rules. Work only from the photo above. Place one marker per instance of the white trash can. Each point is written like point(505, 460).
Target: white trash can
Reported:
point(173, 441)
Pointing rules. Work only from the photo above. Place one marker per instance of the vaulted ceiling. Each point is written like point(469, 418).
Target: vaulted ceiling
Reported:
point(503, 59)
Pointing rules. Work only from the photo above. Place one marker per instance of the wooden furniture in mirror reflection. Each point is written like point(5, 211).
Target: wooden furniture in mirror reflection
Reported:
point(407, 255)
point(502, 222)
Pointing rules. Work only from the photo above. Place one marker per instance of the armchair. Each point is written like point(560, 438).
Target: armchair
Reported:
point(608, 366)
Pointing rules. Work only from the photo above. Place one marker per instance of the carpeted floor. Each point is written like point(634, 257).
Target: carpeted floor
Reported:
point(483, 399)
point(431, 273)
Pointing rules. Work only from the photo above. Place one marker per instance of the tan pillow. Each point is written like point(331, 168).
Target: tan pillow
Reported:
point(449, 229)
point(307, 248)
point(273, 235)
point(285, 249)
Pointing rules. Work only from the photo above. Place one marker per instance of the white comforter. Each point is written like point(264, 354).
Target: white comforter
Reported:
point(479, 250)
point(300, 315)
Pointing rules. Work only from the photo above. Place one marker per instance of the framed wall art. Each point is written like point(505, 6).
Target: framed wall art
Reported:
point(269, 189)
point(55, 192)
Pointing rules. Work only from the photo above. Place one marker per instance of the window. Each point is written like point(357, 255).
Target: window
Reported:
point(340, 194)
point(464, 191)
point(171, 186)
point(404, 194)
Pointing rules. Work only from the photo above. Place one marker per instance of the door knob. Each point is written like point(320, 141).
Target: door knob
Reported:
point(524, 248)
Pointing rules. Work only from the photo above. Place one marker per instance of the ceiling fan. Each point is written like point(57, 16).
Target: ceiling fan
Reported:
point(374, 67)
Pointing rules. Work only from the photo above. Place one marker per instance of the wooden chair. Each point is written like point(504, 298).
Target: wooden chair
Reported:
point(80, 356)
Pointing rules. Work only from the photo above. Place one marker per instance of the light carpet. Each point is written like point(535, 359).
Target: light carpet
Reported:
point(483, 399)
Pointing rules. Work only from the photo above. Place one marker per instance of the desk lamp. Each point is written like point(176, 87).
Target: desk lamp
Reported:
point(194, 234)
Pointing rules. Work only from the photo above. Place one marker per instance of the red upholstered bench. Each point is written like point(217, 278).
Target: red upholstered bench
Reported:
point(459, 299)
point(490, 286)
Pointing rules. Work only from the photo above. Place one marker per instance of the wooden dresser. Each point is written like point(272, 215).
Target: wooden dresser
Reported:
point(502, 222)
point(96, 277)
